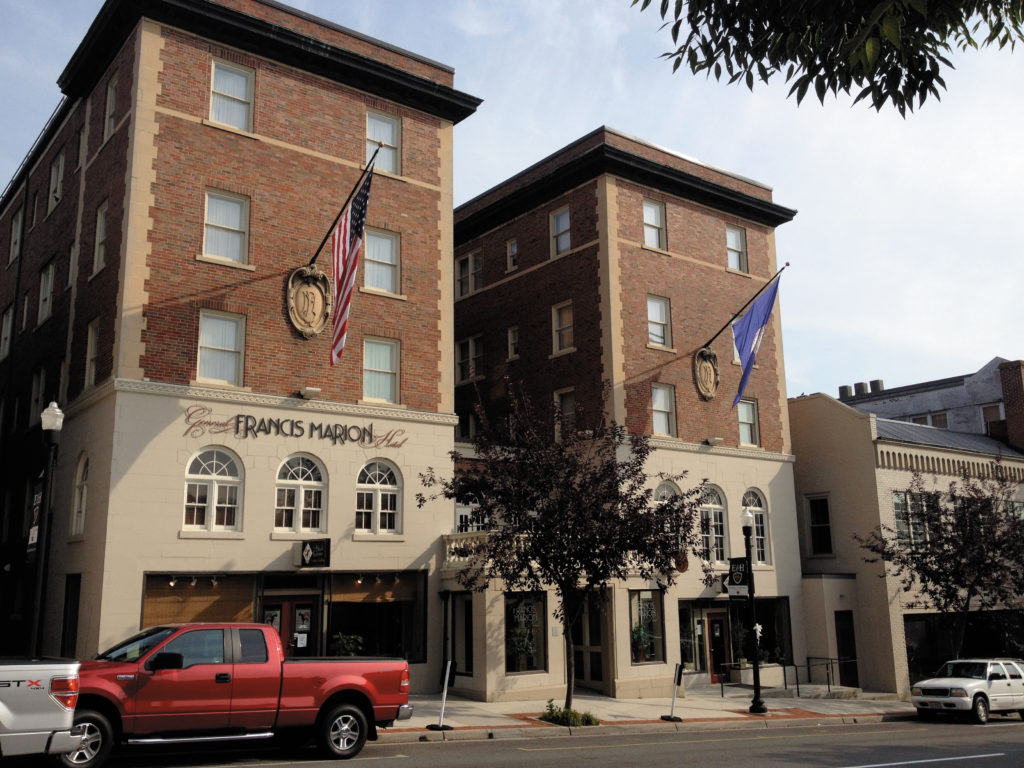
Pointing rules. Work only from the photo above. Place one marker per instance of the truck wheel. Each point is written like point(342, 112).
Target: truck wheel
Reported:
point(980, 710)
point(343, 731)
point(99, 740)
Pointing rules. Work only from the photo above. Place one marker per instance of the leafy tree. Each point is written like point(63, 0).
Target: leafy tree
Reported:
point(955, 550)
point(572, 511)
point(888, 50)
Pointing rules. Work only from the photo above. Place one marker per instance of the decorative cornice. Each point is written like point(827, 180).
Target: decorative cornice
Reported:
point(117, 18)
point(680, 446)
point(241, 397)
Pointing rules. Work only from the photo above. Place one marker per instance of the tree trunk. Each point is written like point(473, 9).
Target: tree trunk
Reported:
point(570, 662)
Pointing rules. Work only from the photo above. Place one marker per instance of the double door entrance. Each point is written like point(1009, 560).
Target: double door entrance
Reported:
point(296, 619)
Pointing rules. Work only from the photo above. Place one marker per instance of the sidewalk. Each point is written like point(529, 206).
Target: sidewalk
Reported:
point(703, 708)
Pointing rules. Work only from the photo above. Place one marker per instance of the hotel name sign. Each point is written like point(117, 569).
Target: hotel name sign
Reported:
point(200, 421)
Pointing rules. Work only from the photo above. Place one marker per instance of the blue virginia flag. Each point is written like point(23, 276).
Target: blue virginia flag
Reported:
point(748, 331)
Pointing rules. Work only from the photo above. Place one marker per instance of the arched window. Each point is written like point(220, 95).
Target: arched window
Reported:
point(754, 503)
point(212, 491)
point(300, 495)
point(666, 491)
point(81, 496)
point(712, 523)
point(378, 491)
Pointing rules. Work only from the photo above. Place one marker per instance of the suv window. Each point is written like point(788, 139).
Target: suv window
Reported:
point(200, 646)
point(254, 646)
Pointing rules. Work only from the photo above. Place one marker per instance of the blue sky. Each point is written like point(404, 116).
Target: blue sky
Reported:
point(906, 252)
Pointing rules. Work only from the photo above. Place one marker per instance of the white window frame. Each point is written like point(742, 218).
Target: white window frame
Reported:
point(302, 477)
point(99, 251)
point(110, 108)
point(736, 248)
point(513, 342)
point(92, 345)
point(561, 231)
point(468, 274)
point(6, 331)
point(16, 223)
point(468, 354)
point(56, 182)
point(215, 465)
point(468, 426)
point(238, 351)
point(747, 418)
point(667, 414)
point(374, 265)
point(47, 275)
point(394, 374)
point(654, 324)
point(562, 333)
point(239, 233)
point(464, 519)
point(371, 517)
point(760, 543)
point(511, 255)
point(654, 224)
point(234, 99)
point(390, 156)
point(714, 525)
point(80, 502)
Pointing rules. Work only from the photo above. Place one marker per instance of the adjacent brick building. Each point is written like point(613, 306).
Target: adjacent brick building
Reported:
point(150, 244)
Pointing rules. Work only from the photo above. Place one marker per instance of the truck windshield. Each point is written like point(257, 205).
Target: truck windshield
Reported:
point(136, 645)
point(972, 669)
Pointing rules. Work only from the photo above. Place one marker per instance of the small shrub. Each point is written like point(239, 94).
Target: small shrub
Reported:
point(569, 717)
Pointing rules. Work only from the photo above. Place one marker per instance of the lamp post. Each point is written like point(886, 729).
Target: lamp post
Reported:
point(757, 706)
point(52, 420)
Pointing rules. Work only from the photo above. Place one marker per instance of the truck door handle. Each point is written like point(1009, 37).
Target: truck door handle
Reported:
point(222, 677)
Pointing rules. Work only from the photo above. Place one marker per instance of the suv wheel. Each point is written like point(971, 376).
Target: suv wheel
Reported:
point(980, 710)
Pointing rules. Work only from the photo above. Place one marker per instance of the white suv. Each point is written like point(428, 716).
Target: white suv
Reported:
point(978, 686)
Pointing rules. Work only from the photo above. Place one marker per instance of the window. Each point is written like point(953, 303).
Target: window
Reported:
point(712, 523)
point(383, 131)
point(513, 342)
point(46, 293)
point(464, 519)
point(380, 370)
point(512, 255)
point(227, 227)
point(92, 345)
point(665, 491)
point(253, 646)
point(377, 499)
point(560, 239)
point(300, 495)
point(911, 524)
point(525, 631)
point(468, 426)
point(38, 401)
point(746, 411)
point(938, 419)
point(561, 328)
point(16, 222)
point(659, 321)
point(991, 415)
point(110, 109)
point(565, 402)
point(654, 224)
point(81, 497)
point(820, 524)
point(221, 346)
point(199, 646)
point(231, 96)
point(212, 491)
point(6, 331)
point(754, 503)
point(468, 354)
point(83, 147)
point(468, 275)
point(646, 626)
point(381, 270)
point(736, 245)
point(56, 182)
point(663, 408)
point(99, 252)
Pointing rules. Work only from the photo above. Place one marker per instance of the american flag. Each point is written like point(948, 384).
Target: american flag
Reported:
point(348, 242)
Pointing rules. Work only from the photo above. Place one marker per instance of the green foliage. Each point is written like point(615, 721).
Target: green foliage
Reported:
point(346, 645)
point(567, 716)
point(882, 50)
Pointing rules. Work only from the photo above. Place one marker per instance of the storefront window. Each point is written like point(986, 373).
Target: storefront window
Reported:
point(647, 626)
point(776, 644)
point(525, 632)
point(462, 633)
point(378, 614)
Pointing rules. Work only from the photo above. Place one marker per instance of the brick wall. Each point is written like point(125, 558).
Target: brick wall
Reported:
point(1011, 375)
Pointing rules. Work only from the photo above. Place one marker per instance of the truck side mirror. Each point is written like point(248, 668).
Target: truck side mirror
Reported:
point(166, 660)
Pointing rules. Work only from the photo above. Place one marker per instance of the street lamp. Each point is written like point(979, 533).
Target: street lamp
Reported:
point(757, 706)
point(52, 420)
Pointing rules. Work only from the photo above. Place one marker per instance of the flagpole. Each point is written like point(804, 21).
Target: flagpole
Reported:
point(729, 322)
point(348, 200)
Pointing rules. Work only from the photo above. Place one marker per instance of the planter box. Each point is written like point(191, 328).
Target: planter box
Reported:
point(771, 675)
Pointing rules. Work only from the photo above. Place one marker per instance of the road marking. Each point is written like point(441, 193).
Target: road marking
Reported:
point(928, 762)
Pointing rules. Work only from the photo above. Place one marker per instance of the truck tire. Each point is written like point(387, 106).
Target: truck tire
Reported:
point(980, 709)
point(343, 731)
point(99, 741)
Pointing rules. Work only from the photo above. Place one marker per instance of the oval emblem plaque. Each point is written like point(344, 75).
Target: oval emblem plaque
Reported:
point(309, 300)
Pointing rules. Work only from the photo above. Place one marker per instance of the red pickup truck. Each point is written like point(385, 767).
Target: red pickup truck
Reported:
point(203, 682)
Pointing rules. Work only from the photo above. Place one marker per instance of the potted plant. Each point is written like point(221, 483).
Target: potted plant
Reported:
point(640, 641)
